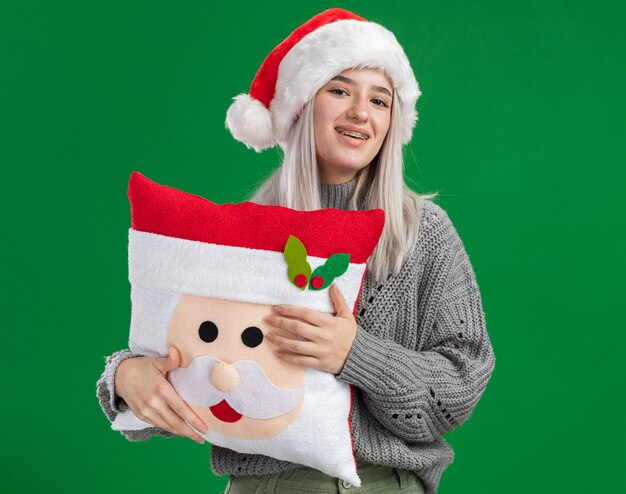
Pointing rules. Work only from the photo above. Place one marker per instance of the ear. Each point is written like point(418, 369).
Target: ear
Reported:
point(174, 358)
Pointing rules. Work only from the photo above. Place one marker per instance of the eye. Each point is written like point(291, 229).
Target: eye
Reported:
point(380, 102)
point(338, 91)
point(252, 336)
point(207, 331)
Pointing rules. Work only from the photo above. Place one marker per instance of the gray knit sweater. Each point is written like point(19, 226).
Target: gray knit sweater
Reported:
point(420, 361)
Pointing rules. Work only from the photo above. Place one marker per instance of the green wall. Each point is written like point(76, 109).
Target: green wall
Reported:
point(520, 125)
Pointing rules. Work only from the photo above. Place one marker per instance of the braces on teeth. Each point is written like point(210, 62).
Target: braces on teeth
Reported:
point(358, 135)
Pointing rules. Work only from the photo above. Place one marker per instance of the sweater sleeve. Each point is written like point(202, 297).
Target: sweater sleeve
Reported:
point(112, 404)
point(421, 395)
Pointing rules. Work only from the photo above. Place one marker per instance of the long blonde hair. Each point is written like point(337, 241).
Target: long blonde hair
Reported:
point(295, 184)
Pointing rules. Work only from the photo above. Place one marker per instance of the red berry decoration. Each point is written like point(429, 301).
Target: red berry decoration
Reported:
point(335, 266)
point(317, 282)
point(300, 280)
point(298, 268)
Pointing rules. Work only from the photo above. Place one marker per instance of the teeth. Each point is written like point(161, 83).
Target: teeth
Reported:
point(350, 133)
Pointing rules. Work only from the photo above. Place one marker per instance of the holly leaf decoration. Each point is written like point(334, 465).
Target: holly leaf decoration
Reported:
point(324, 275)
point(298, 268)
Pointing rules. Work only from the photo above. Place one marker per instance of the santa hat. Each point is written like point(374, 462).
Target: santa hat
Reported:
point(181, 243)
point(307, 59)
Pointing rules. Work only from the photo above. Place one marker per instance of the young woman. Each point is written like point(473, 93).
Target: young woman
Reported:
point(338, 95)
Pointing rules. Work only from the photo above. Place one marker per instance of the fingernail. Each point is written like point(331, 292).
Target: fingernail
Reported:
point(277, 308)
point(279, 354)
point(270, 336)
point(270, 319)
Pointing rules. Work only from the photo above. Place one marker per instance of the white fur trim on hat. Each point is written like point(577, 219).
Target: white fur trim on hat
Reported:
point(331, 49)
point(232, 273)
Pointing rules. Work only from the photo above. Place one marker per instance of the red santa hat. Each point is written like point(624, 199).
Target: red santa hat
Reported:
point(307, 59)
point(181, 243)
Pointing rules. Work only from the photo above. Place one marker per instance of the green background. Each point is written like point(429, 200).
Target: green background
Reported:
point(521, 130)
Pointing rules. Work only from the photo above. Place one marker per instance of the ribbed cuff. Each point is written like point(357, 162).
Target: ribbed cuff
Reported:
point(366, 364)
point(111, 403)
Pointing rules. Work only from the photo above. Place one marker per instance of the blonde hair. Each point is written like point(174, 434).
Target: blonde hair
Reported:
point(295, 184)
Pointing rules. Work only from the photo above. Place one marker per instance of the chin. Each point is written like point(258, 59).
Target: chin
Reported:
point(346, 166)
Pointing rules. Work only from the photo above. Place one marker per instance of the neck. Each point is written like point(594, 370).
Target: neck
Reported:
point(337, 195)
point(336, 179)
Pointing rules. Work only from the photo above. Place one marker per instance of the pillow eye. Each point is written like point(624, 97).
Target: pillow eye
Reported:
point(208, 331)
point(252, 336)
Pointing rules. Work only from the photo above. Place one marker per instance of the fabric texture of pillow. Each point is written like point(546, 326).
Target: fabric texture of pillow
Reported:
point(203, 275)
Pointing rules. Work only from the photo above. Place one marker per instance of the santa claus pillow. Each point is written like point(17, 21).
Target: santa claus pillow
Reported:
point(203, 276)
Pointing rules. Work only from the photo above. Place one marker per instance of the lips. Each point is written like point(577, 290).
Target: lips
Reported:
point(352, 133)
point(224, 412)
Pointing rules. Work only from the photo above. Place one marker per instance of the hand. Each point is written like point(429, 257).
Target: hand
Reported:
point(142, 383)
point(323, 341)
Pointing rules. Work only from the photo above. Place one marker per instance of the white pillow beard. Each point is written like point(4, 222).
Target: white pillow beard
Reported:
point(319, 437)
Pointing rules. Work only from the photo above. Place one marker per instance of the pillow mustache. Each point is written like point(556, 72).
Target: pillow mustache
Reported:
point(255, 395)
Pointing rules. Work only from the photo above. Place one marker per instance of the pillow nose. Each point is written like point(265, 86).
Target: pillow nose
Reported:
point(224, 377)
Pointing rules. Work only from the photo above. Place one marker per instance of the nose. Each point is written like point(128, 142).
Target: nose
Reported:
point(359, 111)
point(224, 377)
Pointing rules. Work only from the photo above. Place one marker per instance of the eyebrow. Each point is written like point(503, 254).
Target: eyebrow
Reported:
point(347, 80)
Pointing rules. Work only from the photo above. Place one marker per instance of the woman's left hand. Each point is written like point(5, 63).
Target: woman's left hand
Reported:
point(323, 341)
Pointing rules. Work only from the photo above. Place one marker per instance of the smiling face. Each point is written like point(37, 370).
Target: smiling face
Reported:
point(351, 117)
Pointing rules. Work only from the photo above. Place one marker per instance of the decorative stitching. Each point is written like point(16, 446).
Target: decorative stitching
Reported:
point(443, 410)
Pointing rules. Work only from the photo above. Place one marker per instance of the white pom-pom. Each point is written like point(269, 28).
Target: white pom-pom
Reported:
point(251, 123)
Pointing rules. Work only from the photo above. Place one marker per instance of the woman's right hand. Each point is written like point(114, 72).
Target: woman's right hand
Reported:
point(142, 383)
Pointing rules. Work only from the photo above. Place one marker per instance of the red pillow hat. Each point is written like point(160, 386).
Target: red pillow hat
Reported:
point(183, 243)
point(318, 50)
